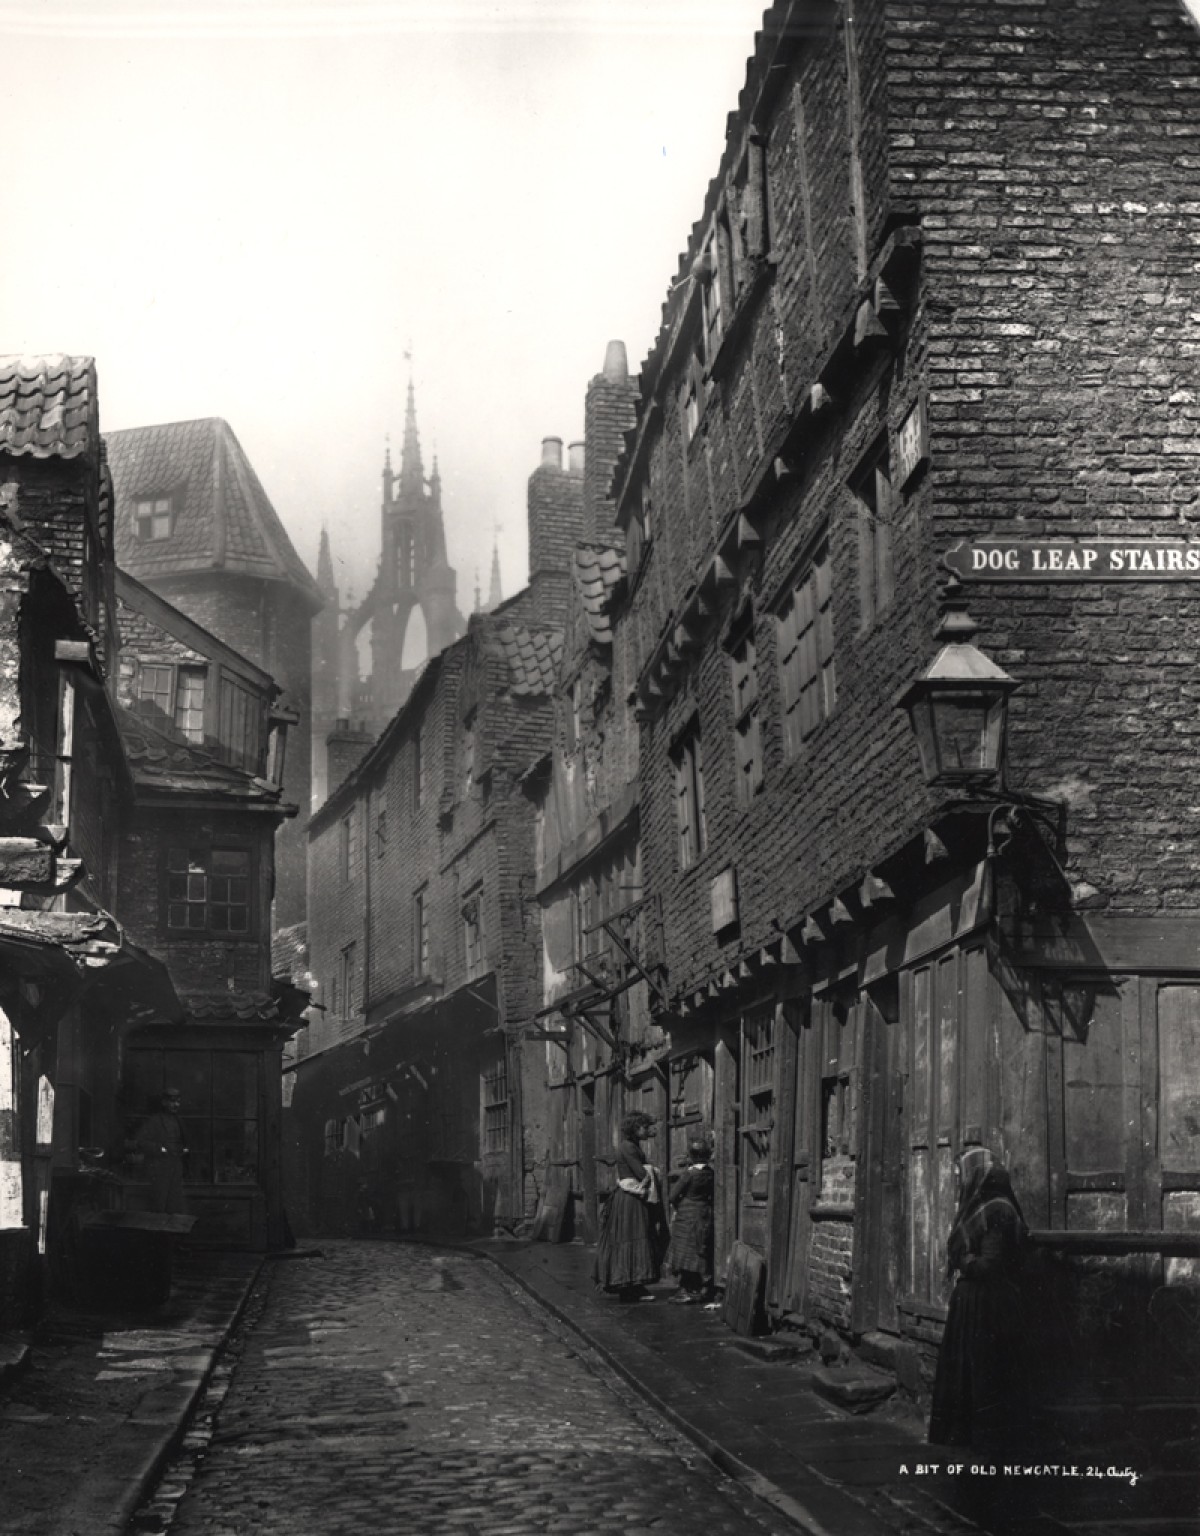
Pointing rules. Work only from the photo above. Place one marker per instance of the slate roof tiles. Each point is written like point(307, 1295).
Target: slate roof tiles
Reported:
point(533, 656)
point(598, 571)
point(222, 518)
point(48, 406)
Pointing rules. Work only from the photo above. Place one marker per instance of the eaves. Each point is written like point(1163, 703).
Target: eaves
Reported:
point(613, 822)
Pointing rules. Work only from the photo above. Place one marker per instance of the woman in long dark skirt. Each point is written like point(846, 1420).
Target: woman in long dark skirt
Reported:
point(627, 1259)
point(691, 1252)
point(981, 1389)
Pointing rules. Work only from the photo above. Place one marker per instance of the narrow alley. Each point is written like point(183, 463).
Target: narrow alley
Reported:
point(401, 1389)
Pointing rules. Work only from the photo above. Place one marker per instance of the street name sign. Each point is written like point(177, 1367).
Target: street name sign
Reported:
point(1075, 560)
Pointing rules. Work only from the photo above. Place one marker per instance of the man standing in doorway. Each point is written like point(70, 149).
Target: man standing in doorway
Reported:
point(160, 1140)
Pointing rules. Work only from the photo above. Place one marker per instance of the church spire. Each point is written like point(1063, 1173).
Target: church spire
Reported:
point(495, 596)
point(325, 581)
point(412, 471)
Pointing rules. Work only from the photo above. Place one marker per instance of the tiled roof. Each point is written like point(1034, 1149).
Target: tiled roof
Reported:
point(222, 517)
point(229, 1004)
point(162, 761)
point(533, 656)
point(48, 406)
point(598, 570)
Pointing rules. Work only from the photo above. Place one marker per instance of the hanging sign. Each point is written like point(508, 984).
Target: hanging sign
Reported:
point(1075, 560)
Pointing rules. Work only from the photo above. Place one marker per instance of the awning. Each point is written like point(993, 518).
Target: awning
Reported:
point(64, 953)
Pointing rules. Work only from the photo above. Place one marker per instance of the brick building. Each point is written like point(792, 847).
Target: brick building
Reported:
point(407, 1107)
point(195, 524)
point(95, 797)
point(602, 1055)
point(940, 290)
point(206, 750)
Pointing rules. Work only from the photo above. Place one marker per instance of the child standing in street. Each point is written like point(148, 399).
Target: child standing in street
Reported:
point(691, 1252)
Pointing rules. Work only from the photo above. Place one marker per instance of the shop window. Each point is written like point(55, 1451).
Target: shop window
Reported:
point(154, 518)
point(219, 1107)
point(688, 764)
point(872, 487)
point(808, 679)
point(208, 890)
point(747, 732)
point(495, 1109)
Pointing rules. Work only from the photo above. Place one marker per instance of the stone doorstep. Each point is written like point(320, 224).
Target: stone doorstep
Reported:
point(772, 1350)
point(856, 1388)
point(899, 1357)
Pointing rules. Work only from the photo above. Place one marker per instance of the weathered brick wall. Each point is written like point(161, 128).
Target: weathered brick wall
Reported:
point(608, 414)
point(555, 517)
point(202, 964)
point(831, 1249)
point(1057, 187)
point(56, 503)
point(1048, 319)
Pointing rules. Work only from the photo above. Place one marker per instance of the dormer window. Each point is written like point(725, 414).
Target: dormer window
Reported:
point(171, 695)
point(155, 519)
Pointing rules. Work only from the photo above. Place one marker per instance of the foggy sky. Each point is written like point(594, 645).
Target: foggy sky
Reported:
point(253, 210)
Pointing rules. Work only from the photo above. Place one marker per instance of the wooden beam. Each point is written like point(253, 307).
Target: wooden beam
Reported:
point(935, 849)
point(874, 890)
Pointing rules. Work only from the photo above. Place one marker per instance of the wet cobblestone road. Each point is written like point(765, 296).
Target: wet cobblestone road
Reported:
point(401, 1390)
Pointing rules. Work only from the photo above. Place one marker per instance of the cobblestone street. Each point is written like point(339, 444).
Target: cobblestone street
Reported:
point(398, 1389)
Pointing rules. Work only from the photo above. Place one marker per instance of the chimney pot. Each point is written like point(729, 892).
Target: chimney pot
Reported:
point(575, 457)
point(552, 452)
point(616, 363)
point(342, 723)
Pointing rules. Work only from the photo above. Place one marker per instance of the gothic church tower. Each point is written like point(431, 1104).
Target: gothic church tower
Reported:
point(413, 577)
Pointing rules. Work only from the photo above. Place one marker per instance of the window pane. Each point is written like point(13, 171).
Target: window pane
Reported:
point(235, 1084)
point(198, 1161)
point(191, 1073)
point(235, 1151)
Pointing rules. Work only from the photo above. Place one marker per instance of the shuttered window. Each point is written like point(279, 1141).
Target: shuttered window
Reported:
point(807, 674)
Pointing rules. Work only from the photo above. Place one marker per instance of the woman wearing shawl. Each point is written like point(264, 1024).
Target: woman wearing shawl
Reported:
point(627, 1256)
point(981, 1390)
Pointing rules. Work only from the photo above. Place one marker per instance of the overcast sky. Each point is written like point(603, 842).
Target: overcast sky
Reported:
point(251, 210)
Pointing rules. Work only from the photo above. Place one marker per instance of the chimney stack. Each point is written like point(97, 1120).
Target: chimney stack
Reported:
point(609, 413)
point(345, 747)
point(616, 363)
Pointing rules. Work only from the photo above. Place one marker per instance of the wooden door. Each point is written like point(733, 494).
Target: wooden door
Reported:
point(879, 1201)
point(1123, 1079)
point(803, 1163)
point(946, 1022)
point(757, 1122)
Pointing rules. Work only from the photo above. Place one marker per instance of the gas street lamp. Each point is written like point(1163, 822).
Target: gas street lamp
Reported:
point(958, 708)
